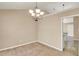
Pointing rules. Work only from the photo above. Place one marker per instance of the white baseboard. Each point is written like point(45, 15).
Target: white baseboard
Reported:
point(30, 43)
point(51, 46)
point(17, 46)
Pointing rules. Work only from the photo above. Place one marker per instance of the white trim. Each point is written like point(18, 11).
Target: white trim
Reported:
point(30, 43)
point(17, 46)
point(62, 40)
point(59, 12)
point(50, 46)
point(71, 16)
point(50, 14)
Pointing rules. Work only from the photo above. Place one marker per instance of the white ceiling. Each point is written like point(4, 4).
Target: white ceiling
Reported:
point(47, 6)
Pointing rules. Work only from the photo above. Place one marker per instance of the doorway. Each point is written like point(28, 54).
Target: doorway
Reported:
point(70, 34)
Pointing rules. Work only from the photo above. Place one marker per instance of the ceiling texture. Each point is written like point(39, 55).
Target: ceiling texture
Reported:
point(50, 7)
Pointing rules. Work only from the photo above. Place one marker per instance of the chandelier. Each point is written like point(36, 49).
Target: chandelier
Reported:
point(36, 13)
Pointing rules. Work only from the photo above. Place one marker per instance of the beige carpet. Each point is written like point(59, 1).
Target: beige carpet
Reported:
point(35, 49)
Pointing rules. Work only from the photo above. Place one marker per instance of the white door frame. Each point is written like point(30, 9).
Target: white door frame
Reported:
point(62, 40)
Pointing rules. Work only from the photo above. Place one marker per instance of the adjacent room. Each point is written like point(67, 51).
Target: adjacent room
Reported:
point(39, 28)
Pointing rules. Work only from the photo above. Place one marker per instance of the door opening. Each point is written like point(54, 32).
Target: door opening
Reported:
point(70, 34)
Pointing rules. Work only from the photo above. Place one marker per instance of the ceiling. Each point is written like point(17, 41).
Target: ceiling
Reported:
point(50, 7)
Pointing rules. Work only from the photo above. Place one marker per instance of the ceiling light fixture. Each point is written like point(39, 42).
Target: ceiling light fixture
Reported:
point(30, 11)
point(36, 12)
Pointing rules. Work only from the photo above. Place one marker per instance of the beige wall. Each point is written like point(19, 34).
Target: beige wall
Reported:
point(50, 28)
point(16, 28)
point(49, 31)
point(76, 27)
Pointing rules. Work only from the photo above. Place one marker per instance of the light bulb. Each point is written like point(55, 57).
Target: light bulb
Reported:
point(31, 11)
point(37, 10)
point(37, 15)
point(41, 13)
point(33, 14)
